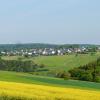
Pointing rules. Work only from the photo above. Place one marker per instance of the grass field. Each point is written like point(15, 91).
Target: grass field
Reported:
point(31, 79)
point(24, 86)
point(57, 63)
point(21, 91)
point(64, 62)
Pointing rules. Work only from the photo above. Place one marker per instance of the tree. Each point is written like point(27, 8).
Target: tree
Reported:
point(63, 74)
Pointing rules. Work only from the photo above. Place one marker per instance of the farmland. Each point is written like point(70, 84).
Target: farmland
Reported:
point(50, 50)
point(10, 90)
point(65, 62)
point(42, 88)
point(33, 79)
point(33, 87)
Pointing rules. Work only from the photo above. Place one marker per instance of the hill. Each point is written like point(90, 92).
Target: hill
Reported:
point(10, 91)
point(65, 62)
point(58, 63)
point(32, 79)
point(20, 46)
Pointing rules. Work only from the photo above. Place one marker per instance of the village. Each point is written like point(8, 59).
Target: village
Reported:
point(48, 51)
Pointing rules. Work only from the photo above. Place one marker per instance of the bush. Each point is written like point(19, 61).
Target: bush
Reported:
point(18, 65)
point(64, 75)
point(97, 79)
point(86, 77)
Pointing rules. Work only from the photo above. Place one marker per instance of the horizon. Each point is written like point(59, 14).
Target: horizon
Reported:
point(50, 21)
point(47, 44)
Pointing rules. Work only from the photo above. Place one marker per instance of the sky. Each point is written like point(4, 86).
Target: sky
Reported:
point(50, 21)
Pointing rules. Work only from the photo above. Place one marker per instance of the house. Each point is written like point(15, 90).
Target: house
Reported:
point(69, 51)
point(60, 52)
point(30, 54)
point(44, 52)
point(53, 52)
point(3, 53)
point(77, 50)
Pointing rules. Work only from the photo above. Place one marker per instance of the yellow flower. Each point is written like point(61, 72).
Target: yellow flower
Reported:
point(42, 92)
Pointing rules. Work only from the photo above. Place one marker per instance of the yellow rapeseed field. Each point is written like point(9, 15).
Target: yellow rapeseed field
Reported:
point(42, 92)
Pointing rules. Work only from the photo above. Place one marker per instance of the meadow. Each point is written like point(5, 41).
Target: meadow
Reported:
point(49, 81)
point(65, 62)
point(58, 63)
point(25, 86)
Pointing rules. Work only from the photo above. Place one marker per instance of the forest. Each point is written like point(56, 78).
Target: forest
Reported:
point(18, 65)
point(88, 72)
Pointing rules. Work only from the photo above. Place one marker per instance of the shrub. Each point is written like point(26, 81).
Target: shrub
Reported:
point(97, 79)
point(64, 75)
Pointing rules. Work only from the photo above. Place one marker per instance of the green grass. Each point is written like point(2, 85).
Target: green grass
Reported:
point(65, 62)
point(31, 79)
point(57, 63)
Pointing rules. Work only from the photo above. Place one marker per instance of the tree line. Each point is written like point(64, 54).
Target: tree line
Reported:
point(19, 46)
point(18, 65)
point(88, 72)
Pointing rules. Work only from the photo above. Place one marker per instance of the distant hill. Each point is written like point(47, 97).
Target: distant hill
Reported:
point(41, 45)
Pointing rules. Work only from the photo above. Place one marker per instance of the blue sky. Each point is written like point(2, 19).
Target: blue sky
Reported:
point(50, 21)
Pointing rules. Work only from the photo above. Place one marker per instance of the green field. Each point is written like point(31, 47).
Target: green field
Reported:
point(53, 63)
point(57, 63)
point(64, 62)
point(31, 79)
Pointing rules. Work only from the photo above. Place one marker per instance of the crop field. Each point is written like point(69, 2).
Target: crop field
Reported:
point(40, 80)
point(40, 92)
point(24, 86)
point(65, 62)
